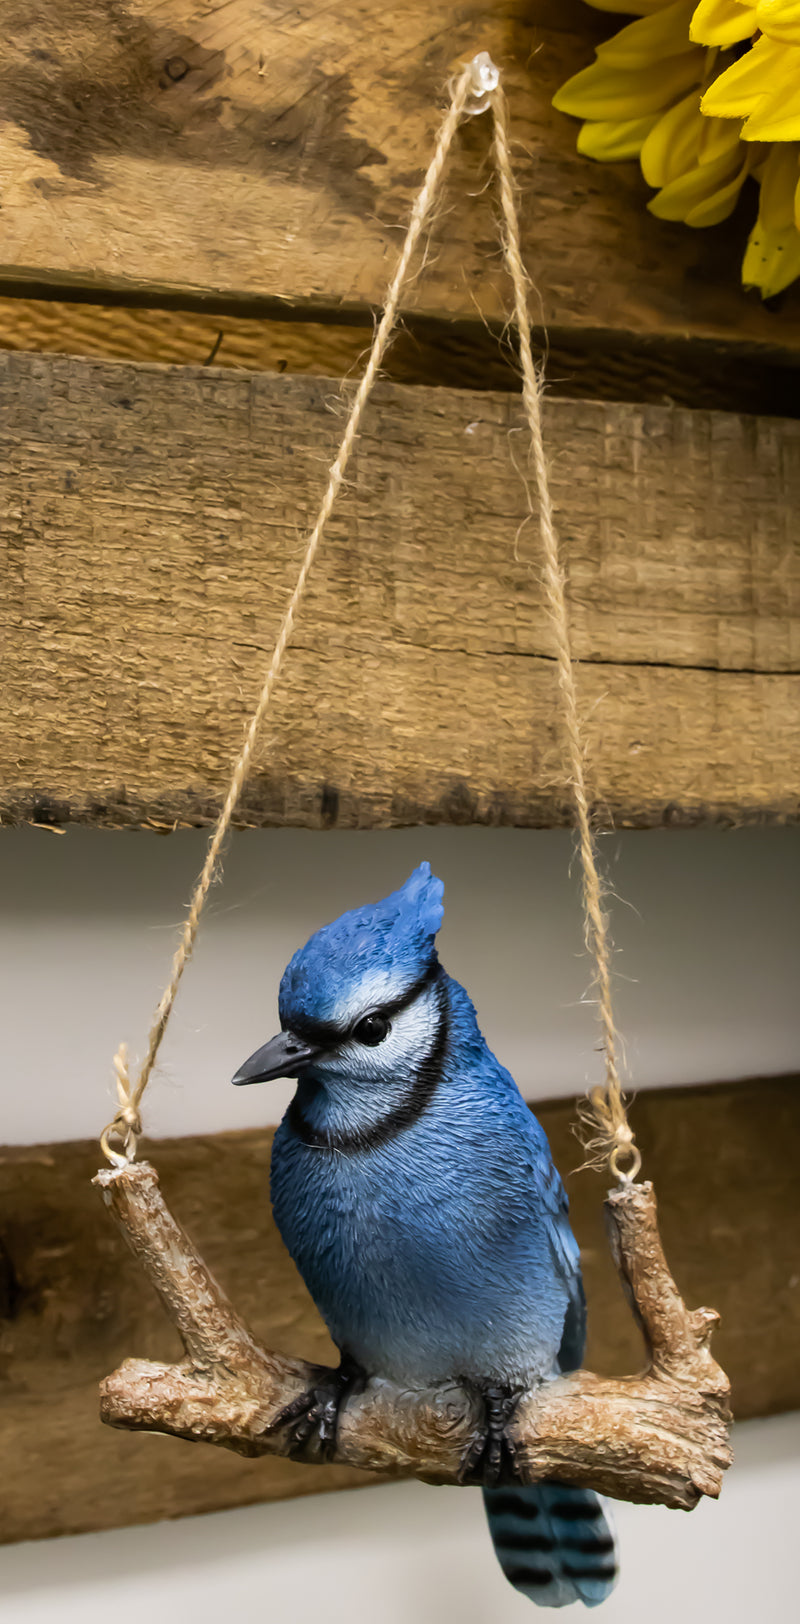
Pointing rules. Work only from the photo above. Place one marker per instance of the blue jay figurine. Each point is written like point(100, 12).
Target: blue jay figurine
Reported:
point(415, 1191)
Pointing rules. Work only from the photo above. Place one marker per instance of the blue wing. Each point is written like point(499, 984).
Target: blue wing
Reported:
point(565, 1251)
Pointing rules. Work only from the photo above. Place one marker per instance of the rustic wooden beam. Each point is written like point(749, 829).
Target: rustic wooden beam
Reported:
point(724, 1161)
point(466, 354)
point(151, 527)
point(244, 157)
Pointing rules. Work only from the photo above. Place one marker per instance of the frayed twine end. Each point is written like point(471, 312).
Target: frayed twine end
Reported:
point(606, 1136)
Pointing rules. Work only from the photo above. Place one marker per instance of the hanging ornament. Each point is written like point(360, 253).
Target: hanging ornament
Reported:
point(661, 1436)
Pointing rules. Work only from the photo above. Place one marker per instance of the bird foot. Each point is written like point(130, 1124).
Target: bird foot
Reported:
point(491, 1456)
point(311, 1419)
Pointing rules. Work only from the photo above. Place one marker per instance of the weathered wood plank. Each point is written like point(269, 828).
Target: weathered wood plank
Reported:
point(461, 355)
point(151, 527)
point(725, 1163)
point(245, 155)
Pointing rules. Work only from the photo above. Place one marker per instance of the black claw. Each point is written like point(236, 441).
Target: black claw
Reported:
point(491, 1456)
point(311, 1418)
point(471, 1460)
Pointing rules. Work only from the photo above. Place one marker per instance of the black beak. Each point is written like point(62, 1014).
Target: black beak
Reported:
point(283, 1056)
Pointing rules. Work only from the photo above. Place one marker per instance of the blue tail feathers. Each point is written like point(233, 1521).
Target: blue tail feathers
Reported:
point(553, 1543)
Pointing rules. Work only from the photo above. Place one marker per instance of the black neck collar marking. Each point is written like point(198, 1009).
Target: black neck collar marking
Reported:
point(327, 1035)
point(402, 1116)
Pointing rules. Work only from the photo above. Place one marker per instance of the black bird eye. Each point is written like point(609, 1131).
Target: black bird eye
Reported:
point(372, 1030)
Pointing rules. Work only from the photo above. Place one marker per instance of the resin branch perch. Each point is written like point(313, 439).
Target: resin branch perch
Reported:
point(659, 1437)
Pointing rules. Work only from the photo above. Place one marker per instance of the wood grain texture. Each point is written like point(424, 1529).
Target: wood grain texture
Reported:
point(242, 155)
point(724, 1160)
point(454, 354)
point(151, 527)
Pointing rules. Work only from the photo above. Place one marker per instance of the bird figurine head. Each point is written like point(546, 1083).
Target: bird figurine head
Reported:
point(360, 985)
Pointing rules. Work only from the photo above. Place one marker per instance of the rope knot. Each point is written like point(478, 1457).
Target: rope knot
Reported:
point(126, 1124)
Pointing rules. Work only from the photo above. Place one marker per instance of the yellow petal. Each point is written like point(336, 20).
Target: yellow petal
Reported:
point(718, 205)
point(718, 136)
point(722, 22)
point(739, 89)
point(776, 116)
point(758, 164)
point(673, 144)
point(699, 185)
point(779, 179)
point(682, 138)
point(664, 33)
point(780, 19)
point(604, 93)
point(771, 260)
point(609, 140)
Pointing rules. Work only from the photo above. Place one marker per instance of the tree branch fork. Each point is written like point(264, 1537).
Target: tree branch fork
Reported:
point(661, 1437)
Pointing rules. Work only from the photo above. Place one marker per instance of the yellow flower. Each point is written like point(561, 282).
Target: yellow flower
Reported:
point(698, 91)
point(639, 73)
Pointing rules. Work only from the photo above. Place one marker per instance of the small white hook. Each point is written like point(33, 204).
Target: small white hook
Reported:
point(485, 78)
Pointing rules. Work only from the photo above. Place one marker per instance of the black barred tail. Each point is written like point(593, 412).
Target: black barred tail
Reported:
point(553, 1543)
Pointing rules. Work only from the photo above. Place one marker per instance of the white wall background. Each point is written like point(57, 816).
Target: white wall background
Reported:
point(707, 963)
point(706, 933)
point(410, 1554)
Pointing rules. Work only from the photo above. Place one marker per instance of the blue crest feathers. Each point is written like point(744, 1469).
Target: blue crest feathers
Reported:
point(391, 939)
point(424, 893)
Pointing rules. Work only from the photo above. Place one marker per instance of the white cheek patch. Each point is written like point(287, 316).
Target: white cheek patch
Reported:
point(409, 1043)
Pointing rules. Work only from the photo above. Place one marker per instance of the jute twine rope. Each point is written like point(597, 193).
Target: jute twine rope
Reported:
point(607, 1134)
point(603, 1111)
point(126, 1125)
